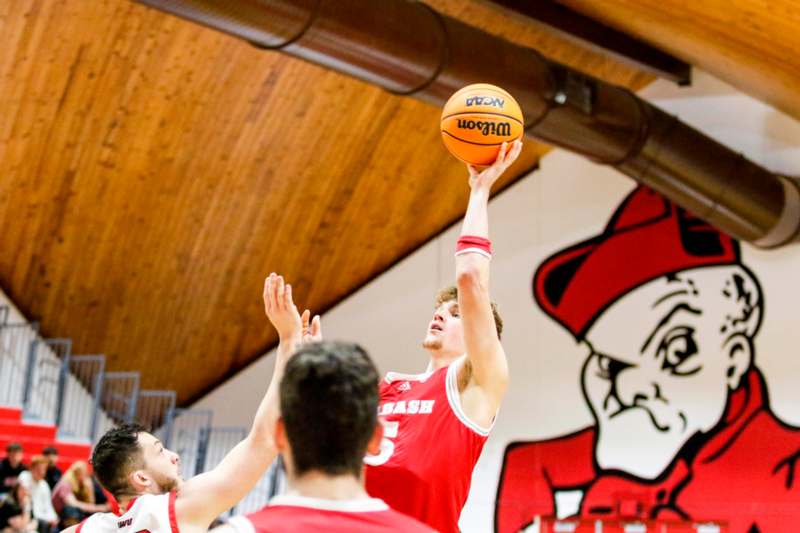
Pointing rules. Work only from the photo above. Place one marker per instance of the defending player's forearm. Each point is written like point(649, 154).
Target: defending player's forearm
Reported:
point(269, 408)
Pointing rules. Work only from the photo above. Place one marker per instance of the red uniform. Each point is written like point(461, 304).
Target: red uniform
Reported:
point(744, 475)
point(297, 514)
point(429, 449)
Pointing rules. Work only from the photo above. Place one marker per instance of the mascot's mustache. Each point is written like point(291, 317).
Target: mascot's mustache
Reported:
point(661, 417)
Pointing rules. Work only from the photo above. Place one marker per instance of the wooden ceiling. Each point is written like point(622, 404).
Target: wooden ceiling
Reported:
point(154, 171)
point(751, 44)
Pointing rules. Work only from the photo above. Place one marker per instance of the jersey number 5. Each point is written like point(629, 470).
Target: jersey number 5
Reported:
point(390, 430)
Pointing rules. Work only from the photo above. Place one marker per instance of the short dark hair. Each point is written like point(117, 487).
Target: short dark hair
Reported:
point(13, 447)
point(116, 455)
point(451, 293)
point(329, 405)
point(50, 450)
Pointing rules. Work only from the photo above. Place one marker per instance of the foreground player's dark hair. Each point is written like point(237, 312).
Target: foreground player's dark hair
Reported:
point(116, 455)
point(329, 404)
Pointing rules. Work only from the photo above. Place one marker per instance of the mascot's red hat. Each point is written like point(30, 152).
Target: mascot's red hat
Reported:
point(647, 237)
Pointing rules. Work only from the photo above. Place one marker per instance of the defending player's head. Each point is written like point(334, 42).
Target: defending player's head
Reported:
point(130, 461)
point(329, 406)
point(445, 333)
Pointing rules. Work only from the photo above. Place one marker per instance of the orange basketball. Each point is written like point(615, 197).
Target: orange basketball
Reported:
point(477, 119)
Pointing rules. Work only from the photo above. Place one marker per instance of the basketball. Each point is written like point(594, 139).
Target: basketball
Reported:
point(477, 119)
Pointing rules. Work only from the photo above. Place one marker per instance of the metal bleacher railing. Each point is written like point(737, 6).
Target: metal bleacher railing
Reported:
point(45, 379)
point(81, 411)
point(15, 339)
point(75, 393)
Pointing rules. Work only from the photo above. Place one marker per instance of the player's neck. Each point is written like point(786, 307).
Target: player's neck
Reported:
point(124, 501)
point(327, 487)
point(442, 358)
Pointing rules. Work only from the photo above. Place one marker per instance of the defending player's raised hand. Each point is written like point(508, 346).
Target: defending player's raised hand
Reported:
point(280, 308)
point(312, 329)
point(207, 495)
point(484, 179)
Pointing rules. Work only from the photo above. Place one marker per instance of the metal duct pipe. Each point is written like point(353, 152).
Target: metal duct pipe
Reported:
point(407, 48)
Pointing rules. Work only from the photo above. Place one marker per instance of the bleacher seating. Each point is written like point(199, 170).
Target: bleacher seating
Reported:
point(35, 437)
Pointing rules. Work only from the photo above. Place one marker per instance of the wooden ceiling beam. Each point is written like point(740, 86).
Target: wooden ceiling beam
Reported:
point(601, 38)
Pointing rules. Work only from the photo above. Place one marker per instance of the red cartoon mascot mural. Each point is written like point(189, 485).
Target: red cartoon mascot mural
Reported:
point(682, 427)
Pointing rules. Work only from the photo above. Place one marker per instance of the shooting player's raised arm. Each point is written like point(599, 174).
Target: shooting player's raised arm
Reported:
point(486, 363)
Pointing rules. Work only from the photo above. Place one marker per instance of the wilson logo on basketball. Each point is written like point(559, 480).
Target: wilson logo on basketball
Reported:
point(485, 100)
point(486, 128)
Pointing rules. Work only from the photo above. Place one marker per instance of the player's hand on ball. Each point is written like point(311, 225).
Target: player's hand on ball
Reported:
point(280, 308)
point(484, 179)
point(312, 331)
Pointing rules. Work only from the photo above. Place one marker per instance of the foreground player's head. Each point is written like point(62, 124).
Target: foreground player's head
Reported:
point(445, 332)
point(129, 461)
point(329, 408)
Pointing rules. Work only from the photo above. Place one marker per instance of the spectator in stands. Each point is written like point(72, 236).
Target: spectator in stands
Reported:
point(41, 498)
point(11, 467)
point(53, 475)
point(73, 497)
point(15, 511)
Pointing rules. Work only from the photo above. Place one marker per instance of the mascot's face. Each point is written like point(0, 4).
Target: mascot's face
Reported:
point(652, 387)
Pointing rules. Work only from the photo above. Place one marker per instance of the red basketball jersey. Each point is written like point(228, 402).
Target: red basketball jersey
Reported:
point(298, 514)
point(429, 449)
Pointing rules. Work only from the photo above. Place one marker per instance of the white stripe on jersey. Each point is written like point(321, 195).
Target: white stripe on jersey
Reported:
point(361, 505)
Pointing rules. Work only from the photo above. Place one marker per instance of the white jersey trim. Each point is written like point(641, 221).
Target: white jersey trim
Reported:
point(241, 524)
point(398, 376)
point(346, 506)
point(454, 399)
